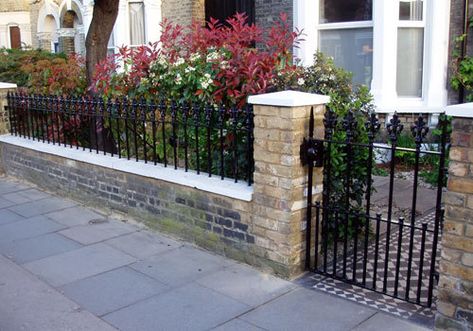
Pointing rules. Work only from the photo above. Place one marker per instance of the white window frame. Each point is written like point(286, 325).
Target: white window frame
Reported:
point(385, 23)
point(405, 100)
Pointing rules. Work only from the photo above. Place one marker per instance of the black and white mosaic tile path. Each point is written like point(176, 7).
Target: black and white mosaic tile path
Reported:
point(377, 300)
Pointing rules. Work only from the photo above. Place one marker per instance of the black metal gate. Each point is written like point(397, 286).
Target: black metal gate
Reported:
point(347, 238)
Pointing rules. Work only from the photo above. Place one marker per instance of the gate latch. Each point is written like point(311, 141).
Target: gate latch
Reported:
point(312, 152)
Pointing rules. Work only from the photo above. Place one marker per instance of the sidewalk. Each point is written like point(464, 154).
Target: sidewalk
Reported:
point(64, 267)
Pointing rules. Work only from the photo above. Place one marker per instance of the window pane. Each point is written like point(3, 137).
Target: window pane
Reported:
point(137, 23)
point(410, 10)
point(351, 49)
point(410, 45)
point(333, 11)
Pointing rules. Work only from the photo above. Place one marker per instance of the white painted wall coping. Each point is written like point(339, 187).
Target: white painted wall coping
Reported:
point(7, 85)
point(214, 184)
point(289, 99)
point(460, 110)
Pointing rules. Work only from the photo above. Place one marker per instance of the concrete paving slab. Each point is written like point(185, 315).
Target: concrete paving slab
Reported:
point(191, 307)
point(92, 233)
point(4, 203)
point(75, 216)
point(112, 290)
point(27, 250)
point(237, 325)
point(180, 265)
point(381, 321)
point(88, 261)
point(28, 228)
point(34, 208)
point(26, 196)
point(143, 244)
point(247, 285)
point(7, 186)
point(7, 216)
point(31, 305)
point(305, 309)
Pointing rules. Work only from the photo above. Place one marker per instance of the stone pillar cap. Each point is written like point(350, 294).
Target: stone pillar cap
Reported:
point(460, 110)
point(7, 85)
point(288, 99)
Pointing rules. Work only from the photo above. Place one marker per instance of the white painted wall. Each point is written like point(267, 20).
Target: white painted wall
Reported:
point(20, 19)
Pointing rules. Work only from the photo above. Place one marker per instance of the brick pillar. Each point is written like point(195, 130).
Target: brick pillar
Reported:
point(279, 209)
point(455, 297)
point(4, 121)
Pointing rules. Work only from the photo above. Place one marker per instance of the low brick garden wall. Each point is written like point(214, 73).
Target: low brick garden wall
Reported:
point(264, 228)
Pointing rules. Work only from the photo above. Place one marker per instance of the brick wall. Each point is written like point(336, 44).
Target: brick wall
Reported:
point(179, 11)
point(455, 291)
point(267, 11)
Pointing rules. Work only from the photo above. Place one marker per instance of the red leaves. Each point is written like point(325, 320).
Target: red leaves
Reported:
point(239, 70)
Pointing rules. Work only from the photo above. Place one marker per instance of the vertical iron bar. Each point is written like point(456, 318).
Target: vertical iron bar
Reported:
point(316, 240)
point(27, 111)
point(376, 250)
point(174, 130)
point(41, 116)
point(196, 114)
point(102, 124)
point(144, 110)
point(118, 115)
point(372, 127)
point(394, 128)
point(95, 115)
point(355, 248)
point(126, 109)
point(109, 115)
point(438, 207)
point(134, 119)
point(335, 245)
point(51, 118)
point(234, 143)
point(64, 113)
point(28, 115)
point(185, 115)
point(208, 119)
point(398, 256)
point(153, 128)
point(221, 122)
point(421, 262)
point(34, 112)
point(419, 130)
point(58, 120)
point(162, 111)
point(309, 196)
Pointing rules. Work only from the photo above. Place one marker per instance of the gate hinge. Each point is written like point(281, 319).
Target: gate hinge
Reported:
point(312, 152)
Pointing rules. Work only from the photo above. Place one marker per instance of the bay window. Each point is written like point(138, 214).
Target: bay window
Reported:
point(398, 48)
point(346, 34)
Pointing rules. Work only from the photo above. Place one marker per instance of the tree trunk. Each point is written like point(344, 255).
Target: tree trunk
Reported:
point(101, 27)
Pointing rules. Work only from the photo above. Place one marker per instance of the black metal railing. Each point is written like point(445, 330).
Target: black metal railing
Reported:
point(394, 252)
point(207, 139)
